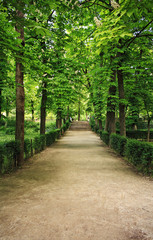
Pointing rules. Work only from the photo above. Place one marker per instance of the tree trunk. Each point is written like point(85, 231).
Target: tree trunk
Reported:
point(121, 103)
point(19, 134)
point(110, 116)
point(79, 110)
point(100, 124)
point(43, 109)
point(58, 119)
point(32, 110)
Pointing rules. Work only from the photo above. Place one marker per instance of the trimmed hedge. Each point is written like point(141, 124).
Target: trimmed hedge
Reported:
point(27, 148)
point(118, 143)
point(94, 126)
point(51, 137)
point(39, 143)
point(9, 150)
point(140, 154)
point(138, 134)
point(104, 136)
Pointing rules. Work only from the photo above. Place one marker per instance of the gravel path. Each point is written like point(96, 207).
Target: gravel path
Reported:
point(78, 189)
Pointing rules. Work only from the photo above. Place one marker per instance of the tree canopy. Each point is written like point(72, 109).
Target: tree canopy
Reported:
point(78, 57)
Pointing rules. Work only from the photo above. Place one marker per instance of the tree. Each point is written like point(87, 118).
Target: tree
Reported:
point(19, 134)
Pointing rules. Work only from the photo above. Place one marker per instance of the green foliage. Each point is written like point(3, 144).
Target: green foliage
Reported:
point(50, 137)
point(10, 131)
point(75, 50)
point(65, 127)
point(58, 133)
point(93, 125)
point(140, 154)
point(105, 137)
point(139, 134)
point(9, 149)
point(8, 152)
point(11, 123)
point(2, 122)
point(27, 148)
point(50, 125)
point(39, 143)
point(118, 143)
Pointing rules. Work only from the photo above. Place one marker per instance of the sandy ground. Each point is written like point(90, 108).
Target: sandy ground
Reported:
point(78, 189)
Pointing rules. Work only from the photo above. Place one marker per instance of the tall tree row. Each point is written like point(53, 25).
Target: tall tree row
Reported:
point(67, 56)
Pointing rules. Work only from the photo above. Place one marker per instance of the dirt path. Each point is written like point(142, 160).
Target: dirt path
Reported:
point(76, 190)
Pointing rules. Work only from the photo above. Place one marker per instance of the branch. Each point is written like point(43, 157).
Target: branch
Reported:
point(110, 8)
point(89, 35)
point(138, 34)
point(88, 1)
point(145, 35)
point(106, 3)
point(51, 15)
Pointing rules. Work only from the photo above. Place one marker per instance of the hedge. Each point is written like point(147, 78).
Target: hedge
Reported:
point(9, 150)
point(93, 125)
point(118, 143)
point(51, 137)
point(104, 136)
point(138, 134)
point(28, 148)
point(140, 154)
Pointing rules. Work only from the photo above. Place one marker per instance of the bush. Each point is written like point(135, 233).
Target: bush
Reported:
point(39, 143)
point(104, 136)
point(64, 127)
point(2, 122)
point(50, 137)
point(10, 131)
point(138, 134)
point(8, 152)
point(96, 128)
point(50, 125)
point(57, 133)
point(11, 122)
point(92, 123)
point(118, 143)
point(27, 148)
point(140, 154)
point(43, 142)
point(67, 124)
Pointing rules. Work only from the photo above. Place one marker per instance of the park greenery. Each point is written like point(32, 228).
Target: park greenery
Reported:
point(74, 58)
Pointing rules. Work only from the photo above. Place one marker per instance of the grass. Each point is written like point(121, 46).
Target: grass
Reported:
point(32, 129)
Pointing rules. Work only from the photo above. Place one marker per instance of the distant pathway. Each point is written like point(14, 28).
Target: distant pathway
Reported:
point(78, 189)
